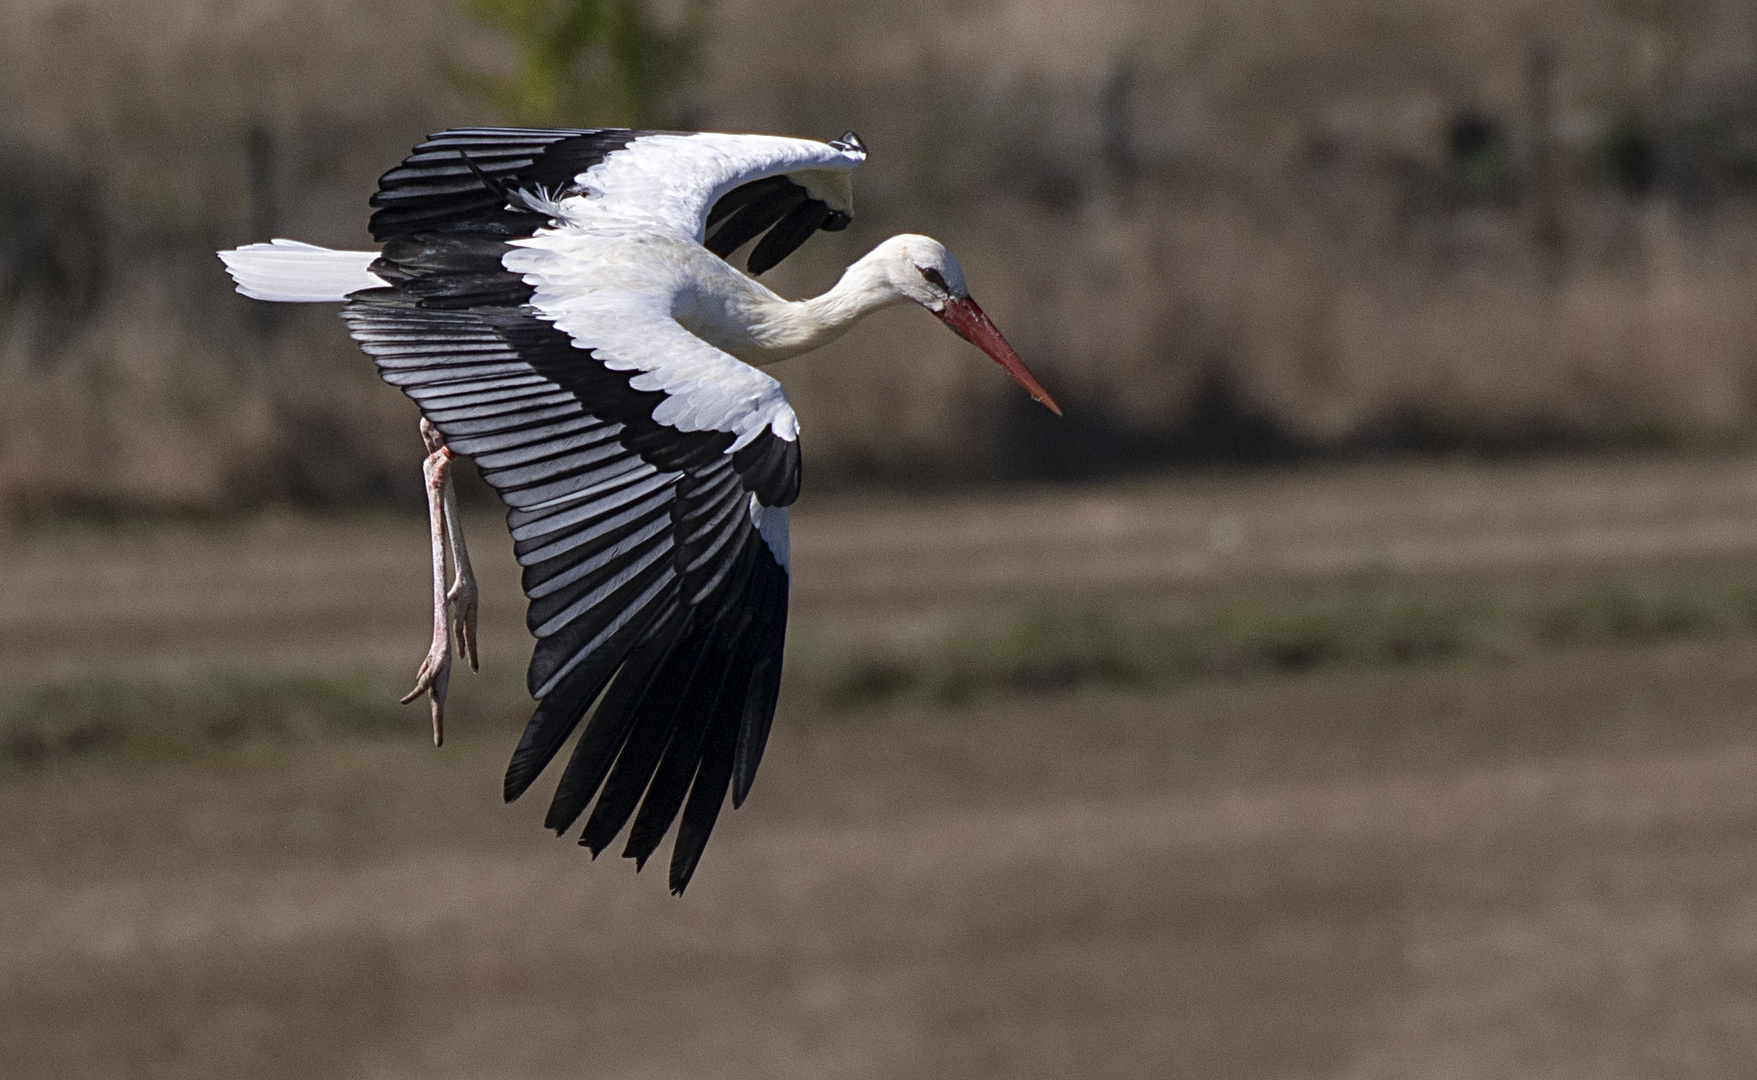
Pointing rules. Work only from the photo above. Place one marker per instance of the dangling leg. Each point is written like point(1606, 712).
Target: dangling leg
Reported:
point(435, 673)
point(462, 596)
point(459, 603)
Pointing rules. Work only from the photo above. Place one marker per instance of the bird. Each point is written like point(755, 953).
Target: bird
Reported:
point(563, 307)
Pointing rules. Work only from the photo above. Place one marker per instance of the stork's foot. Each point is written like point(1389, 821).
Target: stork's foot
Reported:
point(433, 678)
point(462, 600)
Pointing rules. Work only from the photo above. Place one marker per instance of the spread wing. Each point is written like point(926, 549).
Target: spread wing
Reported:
point(723, 190)
point(655, 559)
point(647, 471)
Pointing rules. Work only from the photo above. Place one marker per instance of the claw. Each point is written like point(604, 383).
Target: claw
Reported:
point(433, 678)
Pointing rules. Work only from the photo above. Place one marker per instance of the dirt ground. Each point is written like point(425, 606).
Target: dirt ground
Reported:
point(1542, 866)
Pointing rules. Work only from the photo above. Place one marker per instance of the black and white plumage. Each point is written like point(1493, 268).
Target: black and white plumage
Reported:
point(560, 306)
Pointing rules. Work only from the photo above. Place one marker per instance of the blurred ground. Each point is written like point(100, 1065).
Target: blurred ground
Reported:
point(293, 592)
point(1539, 865)
point(1217, 229)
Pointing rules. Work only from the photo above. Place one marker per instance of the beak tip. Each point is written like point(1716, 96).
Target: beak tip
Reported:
point(968, 321)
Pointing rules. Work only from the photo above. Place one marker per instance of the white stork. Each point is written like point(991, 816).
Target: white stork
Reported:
point(559, 305)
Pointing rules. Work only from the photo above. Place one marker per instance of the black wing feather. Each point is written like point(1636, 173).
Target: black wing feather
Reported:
point(768, 638)
point(706, 796)
point(611, 722)
point(445, 184)
point(770, 466)
point(561, 710)
point(776, 204)
point(740, 197)
point(661, 706)
point(788, 235)
point(683, 754)
point(769, 206)
point(462, 187)
point(658, 609)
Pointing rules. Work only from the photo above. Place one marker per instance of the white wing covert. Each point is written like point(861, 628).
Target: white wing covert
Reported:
point(675, 180)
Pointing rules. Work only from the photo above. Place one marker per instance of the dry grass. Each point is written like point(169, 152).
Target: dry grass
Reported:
point(1243, 636)
point(1279, 256)
point(173, 640)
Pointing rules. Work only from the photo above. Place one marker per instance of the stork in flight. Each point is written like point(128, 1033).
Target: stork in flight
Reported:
point(560, 306)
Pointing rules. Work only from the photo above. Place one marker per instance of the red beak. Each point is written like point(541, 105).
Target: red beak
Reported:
point(969, 323)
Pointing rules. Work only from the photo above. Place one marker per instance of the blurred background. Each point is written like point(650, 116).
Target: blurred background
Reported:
point(1357, 682)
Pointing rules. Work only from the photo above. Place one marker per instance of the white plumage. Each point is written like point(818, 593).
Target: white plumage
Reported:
point(292, 272)
point(561, 306)
point(673, 180)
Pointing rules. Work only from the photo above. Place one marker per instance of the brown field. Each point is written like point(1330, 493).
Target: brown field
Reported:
point(1539, 865)
point(290, 592)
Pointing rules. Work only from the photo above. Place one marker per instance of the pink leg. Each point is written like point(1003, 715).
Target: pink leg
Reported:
point(435, 673)
point(462, 596)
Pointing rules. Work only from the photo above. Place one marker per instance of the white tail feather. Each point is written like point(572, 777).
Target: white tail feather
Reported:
point(292, 272)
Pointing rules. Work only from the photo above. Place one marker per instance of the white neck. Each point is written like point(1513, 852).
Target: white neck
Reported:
point(863, 288)
point(760, 327)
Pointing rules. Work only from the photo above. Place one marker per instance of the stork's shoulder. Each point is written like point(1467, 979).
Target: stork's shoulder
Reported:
point(658, 264)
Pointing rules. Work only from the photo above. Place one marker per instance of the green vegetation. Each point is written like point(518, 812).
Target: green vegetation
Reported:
point(1252, 633)
point(152, 720)
point(608, 62)
point(1243, 635)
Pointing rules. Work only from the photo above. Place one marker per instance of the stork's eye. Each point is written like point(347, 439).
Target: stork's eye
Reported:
point(934, 278)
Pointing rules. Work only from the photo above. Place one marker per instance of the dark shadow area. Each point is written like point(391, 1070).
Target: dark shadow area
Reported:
point(52, 250)
point(1090, 442)
point(1222, 427)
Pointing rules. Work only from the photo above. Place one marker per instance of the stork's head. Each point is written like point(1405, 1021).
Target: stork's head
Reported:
point(919, 268)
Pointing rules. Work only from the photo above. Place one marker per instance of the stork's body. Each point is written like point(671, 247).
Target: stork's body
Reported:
point(561, 307)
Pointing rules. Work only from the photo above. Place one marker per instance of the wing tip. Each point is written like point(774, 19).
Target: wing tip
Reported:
point(519, 778)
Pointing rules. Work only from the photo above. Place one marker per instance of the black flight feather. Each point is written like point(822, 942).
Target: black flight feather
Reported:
point(658, 710)
point(677, 768)
point(756, 216)
point(739, 197)
point(705, 799)
point(469, 179)
point(769, 465)
point(788, 235)
point(555, 718)
point(609, 727)
point(660, 612)
point(768, 636)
